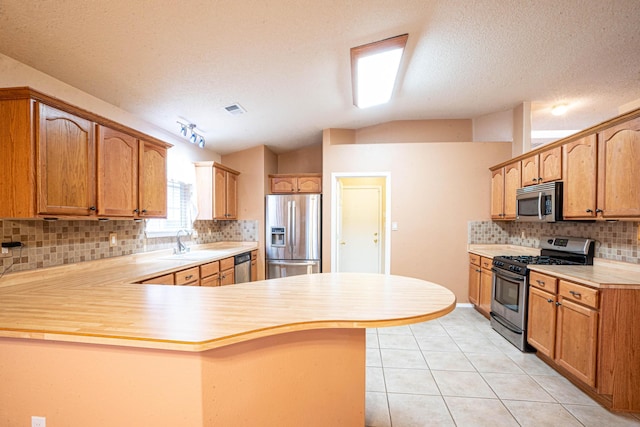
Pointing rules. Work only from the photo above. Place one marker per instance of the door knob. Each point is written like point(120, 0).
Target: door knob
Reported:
point(375, 240)
point(342, 243)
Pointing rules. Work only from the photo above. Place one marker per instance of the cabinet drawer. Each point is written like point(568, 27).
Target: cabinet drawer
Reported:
point(474, 259)
point(213, 280)
point(226, 263)
point(209, 269)
point(578, 293)
point(188, 276)
point(542, 281)
point(486, 263)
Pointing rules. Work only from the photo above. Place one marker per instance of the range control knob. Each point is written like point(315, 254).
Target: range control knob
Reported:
point(550, 241)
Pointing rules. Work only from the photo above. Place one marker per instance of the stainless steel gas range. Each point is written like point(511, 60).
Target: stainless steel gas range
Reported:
point(510, 290)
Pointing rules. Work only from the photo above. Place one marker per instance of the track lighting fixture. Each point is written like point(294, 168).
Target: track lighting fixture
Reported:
point(188, 129)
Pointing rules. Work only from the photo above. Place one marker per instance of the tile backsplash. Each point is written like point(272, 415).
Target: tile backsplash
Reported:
point(616, 241)
point(51, 243)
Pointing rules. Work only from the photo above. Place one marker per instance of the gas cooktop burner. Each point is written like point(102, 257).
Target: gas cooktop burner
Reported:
point(541, 260)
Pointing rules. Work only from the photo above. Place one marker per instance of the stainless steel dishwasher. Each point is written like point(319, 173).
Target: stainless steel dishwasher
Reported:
point(243, 267)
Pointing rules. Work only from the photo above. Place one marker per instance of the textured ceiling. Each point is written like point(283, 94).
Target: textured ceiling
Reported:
point(287, 61)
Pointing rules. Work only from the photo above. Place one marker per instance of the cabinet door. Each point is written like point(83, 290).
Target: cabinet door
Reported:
point(576, 336)
point(219, 193)
point(286, 184)
point(254, 266)
point(497, 194)
point(66, 164)
point(309, 184)
point(551, 165)
point(579, 175)
point(167, 279)
point(231, 202)
point(227, 277)
point(530, 173)
point(619, 176)
point(152, 182)
point(474, 284)
point(213, 280)
point(117, 173)
point(541, 325)
point(512, 179)
point(484, 304)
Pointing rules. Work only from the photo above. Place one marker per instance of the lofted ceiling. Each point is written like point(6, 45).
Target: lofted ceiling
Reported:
point(287, 61)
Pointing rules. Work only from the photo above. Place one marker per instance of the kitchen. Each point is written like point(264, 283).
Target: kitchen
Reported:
point(458, 163)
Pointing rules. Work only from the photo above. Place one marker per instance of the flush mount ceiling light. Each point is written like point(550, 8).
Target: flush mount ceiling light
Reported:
point(189, 129)
point(558, 110)
point(374, 68)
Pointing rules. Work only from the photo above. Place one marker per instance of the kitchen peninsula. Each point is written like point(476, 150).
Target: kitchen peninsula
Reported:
point(277, 352)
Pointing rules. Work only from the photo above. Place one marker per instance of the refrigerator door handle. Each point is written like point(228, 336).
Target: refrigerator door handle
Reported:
point(293, 226)
point(289, 224)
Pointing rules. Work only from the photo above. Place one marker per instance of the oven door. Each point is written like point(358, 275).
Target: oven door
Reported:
point(509, 297)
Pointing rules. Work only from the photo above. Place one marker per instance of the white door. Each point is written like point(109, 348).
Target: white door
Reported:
point(359, 229)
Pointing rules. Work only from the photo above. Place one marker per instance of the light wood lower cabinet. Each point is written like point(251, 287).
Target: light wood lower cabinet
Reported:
point(227, 271)
point(480, 283)
point(254, 266)
point(166, 279)
point(188, 277)
point(590, 335)
point(474, 279)
point(210, 274)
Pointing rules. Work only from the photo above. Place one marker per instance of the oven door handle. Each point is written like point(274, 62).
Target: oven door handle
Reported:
point(506, 274)
point(502, 322)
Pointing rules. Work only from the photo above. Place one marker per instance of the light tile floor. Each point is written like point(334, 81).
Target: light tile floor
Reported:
point(457, 371)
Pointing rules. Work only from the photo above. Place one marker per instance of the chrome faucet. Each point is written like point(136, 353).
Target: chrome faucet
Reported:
point(182, 248)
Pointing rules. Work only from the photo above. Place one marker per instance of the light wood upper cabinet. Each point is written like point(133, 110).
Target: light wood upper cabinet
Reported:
point(543, 167)
point(579, 174)
point(66, 164)
point(217, 189)
point(300, 183)
point(504, 183)
point(152, 180)
point(117, 173)
point(57, 160)
point(619, 171)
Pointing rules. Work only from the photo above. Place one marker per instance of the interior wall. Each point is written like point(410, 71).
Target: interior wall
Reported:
point(436, 188)
point(445, 130)
point(305, 160)
point(521, 129)
point(254, 165)
point(493, 127)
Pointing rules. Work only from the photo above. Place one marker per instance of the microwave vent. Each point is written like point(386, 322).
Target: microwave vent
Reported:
point(235, 109)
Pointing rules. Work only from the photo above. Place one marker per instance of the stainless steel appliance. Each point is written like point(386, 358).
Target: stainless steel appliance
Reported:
point(510, 291)
point(293, 241)
point(539, 203)
point(242, 270)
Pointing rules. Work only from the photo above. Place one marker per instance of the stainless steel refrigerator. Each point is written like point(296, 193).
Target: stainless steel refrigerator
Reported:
point(293, 226)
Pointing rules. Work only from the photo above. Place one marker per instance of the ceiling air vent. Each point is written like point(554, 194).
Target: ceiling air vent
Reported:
point(235, 109)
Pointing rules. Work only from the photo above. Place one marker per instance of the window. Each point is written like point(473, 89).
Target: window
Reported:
point(180, 211)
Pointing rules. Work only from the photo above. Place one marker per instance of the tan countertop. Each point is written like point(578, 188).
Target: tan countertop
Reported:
point(94, 302)
point(490, 251)
point(603, 274)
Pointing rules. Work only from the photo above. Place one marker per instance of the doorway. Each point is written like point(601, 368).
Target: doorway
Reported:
point(360, 229)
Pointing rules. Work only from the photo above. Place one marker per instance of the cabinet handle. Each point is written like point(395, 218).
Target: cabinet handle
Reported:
point(589, 211)
point(558, 304)
point(549, 300)
point(478, 271)
point(92, 208)
point(540, 282)
point(575, 294)
point(599, 211)
point(539, 179)
point(144, 211)
point(136, 210)
point(188, 277)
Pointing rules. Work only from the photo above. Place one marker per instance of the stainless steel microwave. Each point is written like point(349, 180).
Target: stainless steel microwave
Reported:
point(539, 203)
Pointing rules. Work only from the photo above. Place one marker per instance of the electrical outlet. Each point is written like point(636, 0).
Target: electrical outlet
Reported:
point(113, 240)
point(38, 422)
point(522, 235)
point(6, 250)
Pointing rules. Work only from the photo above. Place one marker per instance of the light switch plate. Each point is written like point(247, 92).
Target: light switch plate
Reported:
point(394, 226)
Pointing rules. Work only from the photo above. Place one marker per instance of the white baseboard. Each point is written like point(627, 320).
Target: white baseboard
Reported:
point(464, 304)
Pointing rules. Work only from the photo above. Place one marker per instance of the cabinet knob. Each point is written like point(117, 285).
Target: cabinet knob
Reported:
point(144, 211)
point(599, 211)
point(136, 210)
point(549, 300)
point(558, 304)
point(589, 211)
point(539, 179)
point(92, 208)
